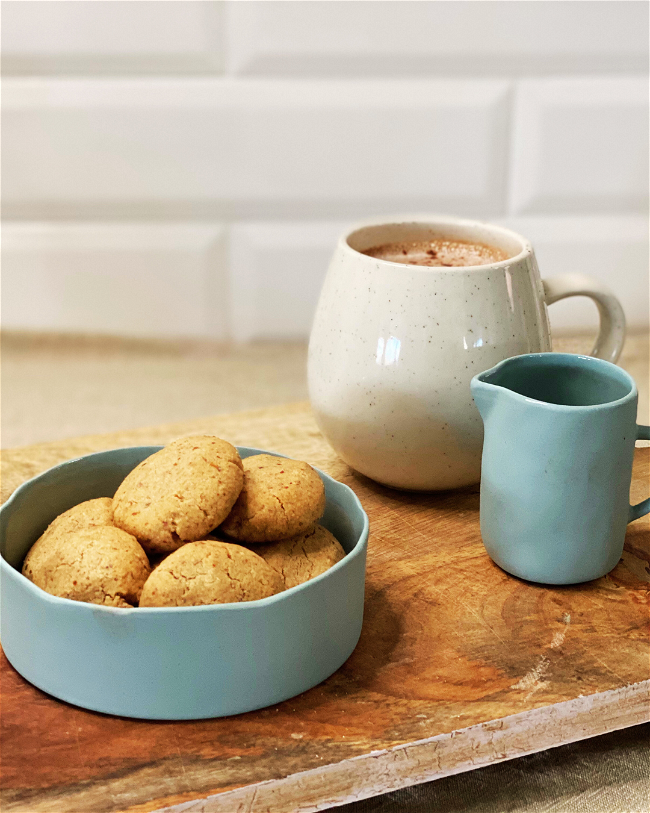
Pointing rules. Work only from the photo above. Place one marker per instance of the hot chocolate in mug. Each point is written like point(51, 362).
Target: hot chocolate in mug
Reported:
point(394, 345)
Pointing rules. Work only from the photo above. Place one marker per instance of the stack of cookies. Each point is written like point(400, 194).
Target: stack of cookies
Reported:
point(192, 524)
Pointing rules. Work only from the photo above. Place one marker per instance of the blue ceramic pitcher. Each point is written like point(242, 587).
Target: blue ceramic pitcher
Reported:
point(557, 459)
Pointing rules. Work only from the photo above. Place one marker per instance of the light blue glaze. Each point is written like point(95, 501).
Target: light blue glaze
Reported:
point(557, 460)
point(174, 663)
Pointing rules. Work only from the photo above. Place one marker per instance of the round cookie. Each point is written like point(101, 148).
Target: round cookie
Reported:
point(179, 493)
point(281, 498)
point(303, 557)
point(209, 572)
point(88, 514)
point(101, 565)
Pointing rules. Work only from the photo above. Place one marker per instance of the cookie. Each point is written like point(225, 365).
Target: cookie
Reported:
point(281, 498)
point(209, 572)
point(88, 514)
point(303, 557)
point(179, 493)
point(100, 565)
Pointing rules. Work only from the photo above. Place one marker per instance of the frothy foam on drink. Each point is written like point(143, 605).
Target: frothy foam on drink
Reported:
point(441, 252)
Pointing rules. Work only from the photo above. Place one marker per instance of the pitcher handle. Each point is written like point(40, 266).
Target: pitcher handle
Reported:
point(641, 508)
point(611, 335)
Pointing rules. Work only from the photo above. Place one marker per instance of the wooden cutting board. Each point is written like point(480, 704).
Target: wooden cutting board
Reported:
point(459, 665)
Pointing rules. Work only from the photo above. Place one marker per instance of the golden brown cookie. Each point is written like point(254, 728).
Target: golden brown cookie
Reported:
point(280, 498)
point(303, 557)
point(209, 572)
point(89, 514)
point(179, 493)
point(100, 565)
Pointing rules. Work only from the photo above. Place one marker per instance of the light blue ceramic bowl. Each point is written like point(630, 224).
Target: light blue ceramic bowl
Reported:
point(173, 663)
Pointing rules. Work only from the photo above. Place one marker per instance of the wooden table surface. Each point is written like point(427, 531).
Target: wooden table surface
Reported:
point(458, 665)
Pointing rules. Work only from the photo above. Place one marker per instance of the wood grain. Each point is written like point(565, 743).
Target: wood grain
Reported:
point(458, 665)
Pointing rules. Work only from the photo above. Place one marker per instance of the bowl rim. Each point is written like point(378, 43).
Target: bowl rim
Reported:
point(241, 606)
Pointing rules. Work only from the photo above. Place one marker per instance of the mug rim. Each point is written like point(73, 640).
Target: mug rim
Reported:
point(574, 360)
point(450, 220)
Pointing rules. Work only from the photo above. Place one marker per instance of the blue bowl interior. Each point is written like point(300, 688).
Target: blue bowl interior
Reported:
point(40, 500)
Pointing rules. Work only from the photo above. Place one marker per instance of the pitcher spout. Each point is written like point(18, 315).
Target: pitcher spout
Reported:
point(492, 385)
point(484, 395)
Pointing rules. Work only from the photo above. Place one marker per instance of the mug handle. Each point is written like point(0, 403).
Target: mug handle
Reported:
point(611, 335)
point(642, 508)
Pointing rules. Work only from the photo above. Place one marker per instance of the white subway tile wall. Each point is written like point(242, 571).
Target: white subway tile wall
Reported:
point(236, 148)
point(108, 37)
point(580, 145)
point(450, 38)
point(136, 279)
point(262, 253)
point(184, 168)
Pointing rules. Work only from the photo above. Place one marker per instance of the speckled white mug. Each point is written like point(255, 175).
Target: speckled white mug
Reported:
point(393, 347)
